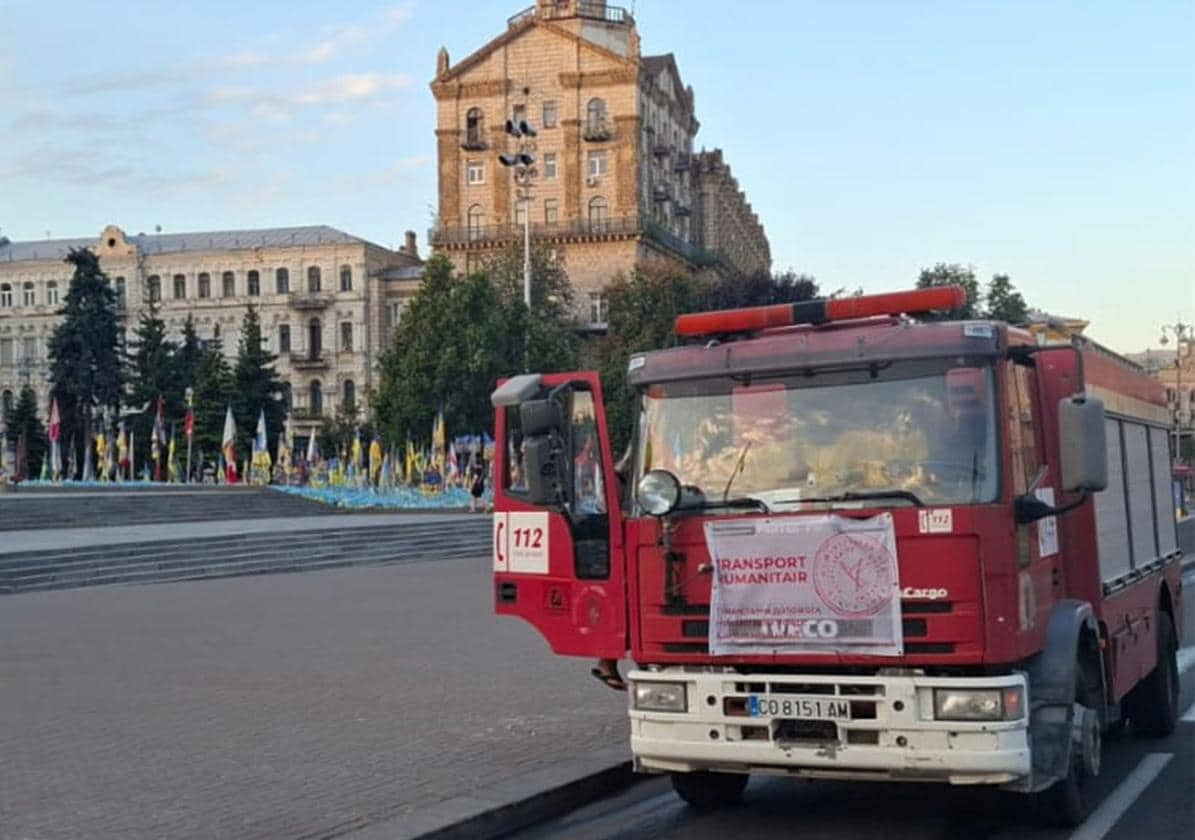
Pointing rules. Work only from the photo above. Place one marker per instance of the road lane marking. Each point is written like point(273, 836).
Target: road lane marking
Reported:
point(1189, 714)
point(1105, 817)
point(1186, 659)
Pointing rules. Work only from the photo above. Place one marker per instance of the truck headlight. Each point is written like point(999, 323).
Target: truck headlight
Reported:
point(979, 703)
point(660, 697)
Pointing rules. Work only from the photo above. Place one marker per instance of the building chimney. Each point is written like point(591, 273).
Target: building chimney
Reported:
point(411, 248)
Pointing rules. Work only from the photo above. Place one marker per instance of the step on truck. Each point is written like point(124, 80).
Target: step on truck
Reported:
point(847, 543)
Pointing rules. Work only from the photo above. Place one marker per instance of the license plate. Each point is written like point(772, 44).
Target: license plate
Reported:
point(799, 708)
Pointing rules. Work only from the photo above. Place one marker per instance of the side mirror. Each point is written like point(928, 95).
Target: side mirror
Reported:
point(541, 417)
point(1084, 451)
point(545, 479)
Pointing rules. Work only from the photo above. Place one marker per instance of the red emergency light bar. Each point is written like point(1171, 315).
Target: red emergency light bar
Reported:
point(820, 311)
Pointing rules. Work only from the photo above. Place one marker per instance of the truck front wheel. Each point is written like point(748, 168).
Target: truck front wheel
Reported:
point(708, 791)
point(1067, 802)
point(1153, 704)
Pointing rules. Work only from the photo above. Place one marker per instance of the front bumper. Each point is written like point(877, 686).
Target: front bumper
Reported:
point(892, 734)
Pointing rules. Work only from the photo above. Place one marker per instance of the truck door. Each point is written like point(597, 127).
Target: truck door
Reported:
point(559, 566)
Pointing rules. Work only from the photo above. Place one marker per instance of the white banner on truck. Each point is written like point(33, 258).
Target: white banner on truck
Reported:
point(807, 584)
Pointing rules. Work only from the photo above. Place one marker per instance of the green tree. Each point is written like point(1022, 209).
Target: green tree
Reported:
point(336, 433)
point(187, 356)
point(256, 384)
point(551, 337)
point(759, 289)
point(23, 420)
point(454, 342)
point(948, 274)
point(1004, 302)
point(151, 374)
point(85, 350)
point(213, 394)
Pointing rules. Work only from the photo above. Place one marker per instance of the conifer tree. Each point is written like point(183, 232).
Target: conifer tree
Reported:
point(151, 374)
point(23, 419)
point(257, 385)
point(213, 393)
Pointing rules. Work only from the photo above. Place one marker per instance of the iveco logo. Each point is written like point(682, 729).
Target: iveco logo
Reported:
point(913, 594)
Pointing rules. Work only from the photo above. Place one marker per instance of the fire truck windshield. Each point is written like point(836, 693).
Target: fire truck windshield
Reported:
point(899, 431)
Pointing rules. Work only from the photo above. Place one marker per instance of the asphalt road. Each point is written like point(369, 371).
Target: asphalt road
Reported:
point(1146, 790)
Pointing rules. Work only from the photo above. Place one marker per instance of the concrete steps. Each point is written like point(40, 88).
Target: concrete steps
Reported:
point(243, 554)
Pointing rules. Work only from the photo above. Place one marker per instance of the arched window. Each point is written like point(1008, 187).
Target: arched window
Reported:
point(346, 336)
point(284, 338)
point(205, 285)
point(313, 279)
point(180, 287)
point(216, 332)
point(52, 293)
point(5, 295)
point(476, 221)
point(154, 287)
point(350, 395)
point(253, 281)
point(346, 278)
point(28, 295)
point(315, 397)
point(7, 404)
point(599, 214)
point(595, 116)
point(315, 338)
point(120, 289)
point(282, 281)
point(474, 128)
point(228, 284)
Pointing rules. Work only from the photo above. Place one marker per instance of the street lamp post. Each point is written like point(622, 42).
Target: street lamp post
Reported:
point(523, 164)
point(1182, 333)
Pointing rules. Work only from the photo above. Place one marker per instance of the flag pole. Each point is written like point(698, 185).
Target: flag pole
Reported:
point(189, 430)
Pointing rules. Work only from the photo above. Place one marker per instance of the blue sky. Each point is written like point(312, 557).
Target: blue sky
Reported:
point(1053, 141)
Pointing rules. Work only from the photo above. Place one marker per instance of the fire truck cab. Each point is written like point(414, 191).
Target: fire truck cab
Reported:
point(844, 543)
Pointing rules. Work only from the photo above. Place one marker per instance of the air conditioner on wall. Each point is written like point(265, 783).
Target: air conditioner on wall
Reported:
point(591, 181)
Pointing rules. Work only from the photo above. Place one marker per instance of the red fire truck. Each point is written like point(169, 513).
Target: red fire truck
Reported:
point(845, 543)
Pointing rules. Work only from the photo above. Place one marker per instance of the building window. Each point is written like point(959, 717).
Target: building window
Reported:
point(28, 349)
point(315, 339)
point(5, 295)
point(346, 278)
point(346, 336)
point(350, 395)
point(550, 165)
point(180, 287)
point(205, 285)
point(228, 284)
point(597, 164)
point(5, 352)
point(597, 309)
point(7, 399)
point(476, 221)
point(28, 295)
point(475, 128)
point(549, 115)
point(395, 312)
point(253, 282)
point(282, 281)
point(315, 397)
point(313, 279)
point(595, 116)
point(155, 288)
point(216, 333)
point(551, 211)
point(120, 289)
point(520, 213)
point(475, 172)
point(518, 113)
point(284, 338)
point(599, 214)
point(52, 293)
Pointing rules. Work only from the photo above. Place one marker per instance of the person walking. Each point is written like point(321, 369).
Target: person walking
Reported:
point(476, 484)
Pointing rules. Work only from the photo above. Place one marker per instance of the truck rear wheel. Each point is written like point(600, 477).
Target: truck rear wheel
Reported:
point(708, 791)
point(1153, 704)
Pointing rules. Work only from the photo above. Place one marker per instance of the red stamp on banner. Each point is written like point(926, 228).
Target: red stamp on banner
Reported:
point(852, 574)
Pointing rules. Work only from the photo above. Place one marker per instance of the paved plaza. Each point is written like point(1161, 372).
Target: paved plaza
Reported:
point(303, 705)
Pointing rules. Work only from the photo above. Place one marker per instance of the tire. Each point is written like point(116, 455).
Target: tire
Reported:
point(1153, 704)
point(1067, 802)
point(707, 791)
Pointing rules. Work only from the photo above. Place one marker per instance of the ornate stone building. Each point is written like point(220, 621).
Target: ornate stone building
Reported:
point(616, 183)
point(328, 301)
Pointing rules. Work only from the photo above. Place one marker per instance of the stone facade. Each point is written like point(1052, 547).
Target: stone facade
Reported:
point(614, 183)
point(328, 301)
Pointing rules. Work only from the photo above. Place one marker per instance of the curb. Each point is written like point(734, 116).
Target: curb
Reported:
point(513, 804)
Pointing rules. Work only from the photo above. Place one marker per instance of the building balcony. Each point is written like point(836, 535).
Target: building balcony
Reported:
point(683, 163)
point(309, 361)
point(661, 149)
point(310, 300)
point(588, 9)
point(661, 192)
point(457, 235)
point(598, 131)
point(474, 144)
point(681, 209)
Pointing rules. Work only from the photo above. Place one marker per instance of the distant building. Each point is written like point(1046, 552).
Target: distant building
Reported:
point(328, 301)
point(618, 184)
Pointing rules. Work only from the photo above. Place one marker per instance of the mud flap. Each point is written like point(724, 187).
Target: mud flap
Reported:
point(1052, 676)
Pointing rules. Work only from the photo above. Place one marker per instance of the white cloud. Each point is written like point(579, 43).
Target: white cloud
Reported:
point(351, 87)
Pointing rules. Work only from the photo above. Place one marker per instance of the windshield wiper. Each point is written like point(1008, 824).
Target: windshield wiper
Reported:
point(853, 496)
point(738, 468)
point(741, 502)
